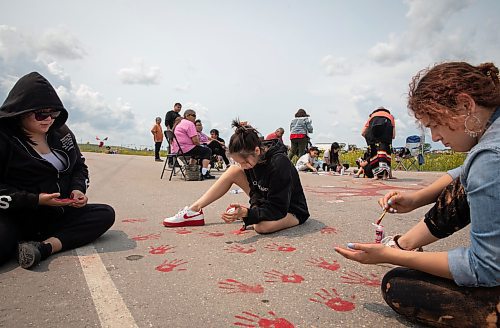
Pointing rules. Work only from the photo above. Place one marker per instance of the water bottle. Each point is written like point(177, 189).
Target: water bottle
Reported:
point(235, 191)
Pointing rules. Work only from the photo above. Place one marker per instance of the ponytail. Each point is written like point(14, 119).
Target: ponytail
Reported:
point(244, 140)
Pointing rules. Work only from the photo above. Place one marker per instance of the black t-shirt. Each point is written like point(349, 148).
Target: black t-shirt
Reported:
point(170, 118)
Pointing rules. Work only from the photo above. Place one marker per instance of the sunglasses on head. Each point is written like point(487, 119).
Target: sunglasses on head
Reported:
point(41, 115)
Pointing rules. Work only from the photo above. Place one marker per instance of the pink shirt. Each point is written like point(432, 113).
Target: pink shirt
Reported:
point(184, 131)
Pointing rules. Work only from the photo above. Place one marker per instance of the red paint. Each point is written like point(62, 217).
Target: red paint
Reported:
point(333, 301)
point(151, 236)
point(182, 231)
point(345, 192)
point(212, 234)
point(170, 266)
point(240, 232)
point(276, 276)
point(133, 220)
point(275, 247)
point(163, 249)
point(356, 278)
point(240, 249)
point(329, 230)
point(234, 286)
point(253, 320)
point(324, 264)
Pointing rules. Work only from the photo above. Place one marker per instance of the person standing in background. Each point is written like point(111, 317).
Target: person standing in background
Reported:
point(300, 127)
point(169, 124)
point(158, 138)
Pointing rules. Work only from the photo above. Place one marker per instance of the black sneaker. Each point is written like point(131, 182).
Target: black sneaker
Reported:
point(29, 254)
point(207, 176)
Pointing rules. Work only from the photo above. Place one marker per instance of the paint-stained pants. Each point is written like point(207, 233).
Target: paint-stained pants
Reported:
point(439, 302)
point(75, 228)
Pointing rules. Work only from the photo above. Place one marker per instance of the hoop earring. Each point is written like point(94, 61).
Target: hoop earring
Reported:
point(476, 128)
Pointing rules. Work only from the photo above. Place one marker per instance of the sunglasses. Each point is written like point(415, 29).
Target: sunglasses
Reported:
point(41, 116)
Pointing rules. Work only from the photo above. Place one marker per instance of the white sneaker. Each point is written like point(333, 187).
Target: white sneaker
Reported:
point(184, 218)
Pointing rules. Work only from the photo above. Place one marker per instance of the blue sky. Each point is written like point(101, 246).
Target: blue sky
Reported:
point(119, 64)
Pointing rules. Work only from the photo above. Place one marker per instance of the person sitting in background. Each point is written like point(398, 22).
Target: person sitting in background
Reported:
point(309, 161)
point(460, 103)
point(189, 142)
point(218, 146)
point(204, 139)
point(278, 134)
point(43, 178)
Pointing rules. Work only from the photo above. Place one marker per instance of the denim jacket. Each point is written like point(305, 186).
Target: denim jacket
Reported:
point(479, 264)
point(301, 125)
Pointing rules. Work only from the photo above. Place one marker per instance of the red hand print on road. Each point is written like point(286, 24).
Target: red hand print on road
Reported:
point(162, 249)
point(212, 234)
point(253, 320)
point(329, 230)
point(240, 249)
point(240, 232)
point(322, 263)
point(182, 231)
point(134, 220)
point(170, 266)
point(333, 301)
point(147, 237)
point(276, 276)
point(275, 247)
point(234, 286)
point(356, 278)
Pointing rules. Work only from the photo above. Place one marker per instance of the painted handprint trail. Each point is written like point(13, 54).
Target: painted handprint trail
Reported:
point(252, 320)
point(276, 276)
point(170, 266)
point(324, 264)
point(333, 301)
point(329, 230)
point(133, 220)
point(212, 234)
point(240, 232)
point(240, 249)
point(162, 249)
point(234, 286)
point(344, 192)
point(151, 236)
point(352, 277)
point(182, 231)
point(275, 247)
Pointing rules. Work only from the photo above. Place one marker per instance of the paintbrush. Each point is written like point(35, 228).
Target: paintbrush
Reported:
point(381, 217)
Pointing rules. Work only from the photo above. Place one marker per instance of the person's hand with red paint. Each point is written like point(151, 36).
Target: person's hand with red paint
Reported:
point(80, 199)
point(234, 212)
point(53, 199)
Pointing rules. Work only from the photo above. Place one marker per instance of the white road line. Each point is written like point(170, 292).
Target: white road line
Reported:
point(109, 304)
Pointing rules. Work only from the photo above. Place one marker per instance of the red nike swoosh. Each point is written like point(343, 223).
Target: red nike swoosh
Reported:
point(190, 217)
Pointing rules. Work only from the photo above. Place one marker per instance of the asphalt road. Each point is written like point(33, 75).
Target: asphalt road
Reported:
point(141, 274)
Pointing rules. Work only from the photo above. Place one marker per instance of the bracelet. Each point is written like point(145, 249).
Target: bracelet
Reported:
point(396, 242)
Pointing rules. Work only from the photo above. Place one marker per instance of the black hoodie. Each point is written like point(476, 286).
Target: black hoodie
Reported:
point(275, 188)
point(24, 174)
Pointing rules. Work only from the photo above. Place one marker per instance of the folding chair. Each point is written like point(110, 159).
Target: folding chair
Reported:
point(179, 159)
point(408, 157)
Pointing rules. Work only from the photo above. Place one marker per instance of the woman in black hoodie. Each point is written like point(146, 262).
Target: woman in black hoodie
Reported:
point(265, 173)
point(43, 178)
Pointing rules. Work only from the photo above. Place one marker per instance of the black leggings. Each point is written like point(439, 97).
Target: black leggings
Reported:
point(77, 227)
point(439, 302)
point(217, 149)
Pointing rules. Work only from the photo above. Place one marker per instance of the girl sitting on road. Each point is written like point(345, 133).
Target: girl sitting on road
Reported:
point(460, 103)
point(265, 173)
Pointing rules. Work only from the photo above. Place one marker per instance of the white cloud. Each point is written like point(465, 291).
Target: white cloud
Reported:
point(426, 31)
point(138, 73)
point(335, 66)
point(61, 43)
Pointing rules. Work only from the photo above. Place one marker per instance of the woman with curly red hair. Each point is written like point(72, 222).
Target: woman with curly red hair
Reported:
point(460, 103)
